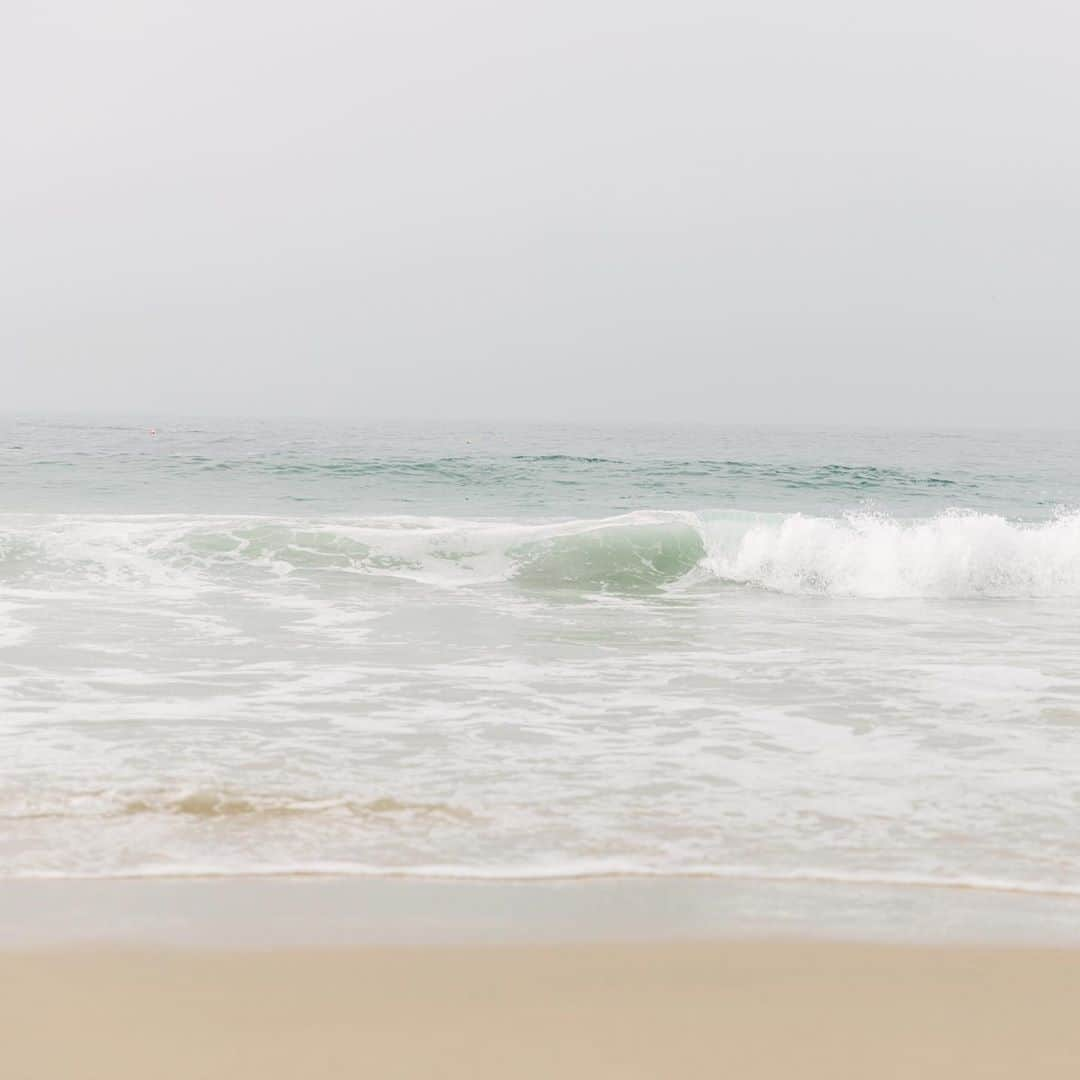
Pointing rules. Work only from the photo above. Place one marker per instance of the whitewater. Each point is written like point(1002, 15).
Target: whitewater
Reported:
point(243, 648)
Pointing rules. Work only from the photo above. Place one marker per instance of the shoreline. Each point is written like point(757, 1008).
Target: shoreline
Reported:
point(298, 912)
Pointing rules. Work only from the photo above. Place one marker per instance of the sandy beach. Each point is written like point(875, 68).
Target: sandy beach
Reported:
point(642, 1010)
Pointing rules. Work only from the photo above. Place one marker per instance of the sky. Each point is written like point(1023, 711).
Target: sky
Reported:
point(770, 211)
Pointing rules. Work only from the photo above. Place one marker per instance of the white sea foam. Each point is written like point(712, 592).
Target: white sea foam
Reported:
point(632, 694)
point(12, 630)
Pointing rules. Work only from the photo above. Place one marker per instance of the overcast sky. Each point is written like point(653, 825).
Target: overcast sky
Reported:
point(764, 210)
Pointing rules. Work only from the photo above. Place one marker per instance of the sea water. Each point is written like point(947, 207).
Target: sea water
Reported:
point(267, 647)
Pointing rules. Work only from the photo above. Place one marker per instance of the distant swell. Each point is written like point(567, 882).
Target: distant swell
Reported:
point(952, 555)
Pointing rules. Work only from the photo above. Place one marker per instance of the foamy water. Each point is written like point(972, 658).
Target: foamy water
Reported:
point(267, 649)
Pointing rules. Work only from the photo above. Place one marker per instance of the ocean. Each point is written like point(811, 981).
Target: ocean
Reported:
point(496, 651)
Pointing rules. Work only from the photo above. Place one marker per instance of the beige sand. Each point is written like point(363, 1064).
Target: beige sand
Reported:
point(712, 1010)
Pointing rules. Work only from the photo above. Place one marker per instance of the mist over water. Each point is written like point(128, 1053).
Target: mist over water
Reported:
point(266, 647)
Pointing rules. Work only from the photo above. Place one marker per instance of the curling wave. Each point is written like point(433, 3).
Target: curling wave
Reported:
point(952, 555)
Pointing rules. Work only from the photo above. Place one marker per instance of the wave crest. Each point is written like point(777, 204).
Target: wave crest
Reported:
point(952, 555)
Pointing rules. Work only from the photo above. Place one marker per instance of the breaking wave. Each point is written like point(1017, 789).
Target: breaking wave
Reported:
point(952, 555)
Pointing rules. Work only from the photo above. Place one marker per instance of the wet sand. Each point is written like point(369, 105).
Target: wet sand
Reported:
point(744, 1009)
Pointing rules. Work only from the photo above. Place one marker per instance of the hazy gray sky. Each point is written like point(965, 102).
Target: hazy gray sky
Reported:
point(690, 209)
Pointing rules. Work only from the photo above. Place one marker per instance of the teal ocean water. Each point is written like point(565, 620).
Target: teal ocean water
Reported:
point(240, 647)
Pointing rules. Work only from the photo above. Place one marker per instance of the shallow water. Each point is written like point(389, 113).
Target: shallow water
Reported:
point(256, 647)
